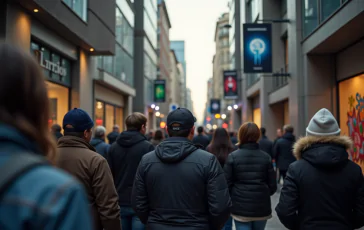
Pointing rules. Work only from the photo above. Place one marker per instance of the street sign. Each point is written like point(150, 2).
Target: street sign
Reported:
point(172, 107)
point(257, 47)
point(159, 90)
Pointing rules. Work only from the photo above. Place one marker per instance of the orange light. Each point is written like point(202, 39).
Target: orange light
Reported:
point(36, 10)
point(162, 125)
point(225, 126)
point(92, 49)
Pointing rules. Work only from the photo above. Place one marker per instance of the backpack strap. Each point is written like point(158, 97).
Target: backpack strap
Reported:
point(16, 166)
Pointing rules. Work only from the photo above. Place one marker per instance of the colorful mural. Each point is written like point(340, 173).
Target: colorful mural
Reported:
point(355, 125)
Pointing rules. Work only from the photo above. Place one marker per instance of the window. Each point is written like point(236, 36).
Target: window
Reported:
point(283, 8)
point(328, 7)
point(79, 7)
point(108, 115)
point(310, 17)
point(99, 113)
point(59, 104)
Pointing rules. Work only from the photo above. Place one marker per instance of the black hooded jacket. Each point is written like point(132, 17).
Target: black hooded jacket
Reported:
point(323, 190)
point(179, 187)
point(124, 157)
point(283, 151)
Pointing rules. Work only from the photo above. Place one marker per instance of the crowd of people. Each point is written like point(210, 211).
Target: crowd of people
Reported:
point(136, 181)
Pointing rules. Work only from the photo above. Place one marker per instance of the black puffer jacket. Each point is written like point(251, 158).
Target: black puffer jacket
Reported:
point(251, 179)
point(266, 145)
point(124, 157)
point(181, 187)
point(323, 190)
point(283, 151)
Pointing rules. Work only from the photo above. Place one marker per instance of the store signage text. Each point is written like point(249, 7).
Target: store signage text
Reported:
point(53, 67)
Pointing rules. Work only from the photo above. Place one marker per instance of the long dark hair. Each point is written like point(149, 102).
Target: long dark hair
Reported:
point(221, 145)
point(24, 101)
point(158, 135)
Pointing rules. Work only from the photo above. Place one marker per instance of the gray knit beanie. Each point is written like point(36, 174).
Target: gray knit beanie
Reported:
point(323, 123)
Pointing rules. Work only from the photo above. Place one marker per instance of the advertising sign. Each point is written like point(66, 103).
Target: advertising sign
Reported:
point(159, 90)
point(230, 84)
point(257, 48)
point(215, 106)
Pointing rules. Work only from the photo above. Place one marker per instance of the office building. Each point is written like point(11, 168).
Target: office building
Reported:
point(179, 49)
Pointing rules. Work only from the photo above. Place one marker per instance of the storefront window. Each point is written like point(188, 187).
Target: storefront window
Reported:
point(257, 117)
point(59, 102)
point(351, 105)
point(99, 113)
point(79, 7)
point(328, 7)
point(310, 16)
point(110, 117)
point(119, 118)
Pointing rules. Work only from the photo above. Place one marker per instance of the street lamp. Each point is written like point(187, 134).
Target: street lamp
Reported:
point(223, 116)
point(152, 106)
point(157, 108)
point(157, 114)
point(229, 107)
point(236, 106)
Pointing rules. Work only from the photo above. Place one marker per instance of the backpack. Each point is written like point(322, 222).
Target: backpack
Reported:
point(18, 165)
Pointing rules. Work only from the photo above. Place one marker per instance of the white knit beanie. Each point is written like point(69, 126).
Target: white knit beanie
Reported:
point(323, 123)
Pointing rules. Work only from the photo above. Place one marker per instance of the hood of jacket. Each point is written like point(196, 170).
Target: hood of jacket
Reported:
point(129, 138)
point(329, 151)
point(174, 149)
point(289, 136)
point(74, 142)
point(96, 141)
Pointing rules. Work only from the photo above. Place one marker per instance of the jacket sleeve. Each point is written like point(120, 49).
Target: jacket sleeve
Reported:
point(71, 210)
point(272, 178)
point(106, 196)
point(228, 169)
point(288, 202)
point(218, 197)
point(139, 197)
point(275, 151)
point(359, 204)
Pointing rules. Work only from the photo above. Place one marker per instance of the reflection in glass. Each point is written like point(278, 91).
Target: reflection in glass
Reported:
point(110, 118)
point(119, 26)
point(310, 18)
point(119, 117)
point(328, 7)
point(99, 113)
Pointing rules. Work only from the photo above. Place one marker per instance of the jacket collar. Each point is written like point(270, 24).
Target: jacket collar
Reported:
point(178, 139)
point(307, 142)
point(74, 142)
point(250, 146)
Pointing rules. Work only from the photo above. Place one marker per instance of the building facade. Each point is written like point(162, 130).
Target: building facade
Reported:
point(179, 49)
point(114, 76)
point(64, 37)
point(164, 65)
point(189, 105)
point(145, 57)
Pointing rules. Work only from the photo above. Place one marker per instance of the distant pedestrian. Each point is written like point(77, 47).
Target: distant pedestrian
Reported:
point(124, 158)
point(283, 151)
point(158, 138)
point(34, 194)
point(210, 134)
point(111, 137)
point(221, 146)
point(80, 159)
point(56, 131)
point(265, 144)
point(200, 138)
point(150, 135)
point(323, 189)
point(251, 179)
point(179, 186)
point(278, 136)
point(233, 137)
point(98, 142)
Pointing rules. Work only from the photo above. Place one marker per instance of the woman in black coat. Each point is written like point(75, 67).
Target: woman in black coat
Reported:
point(251, 179)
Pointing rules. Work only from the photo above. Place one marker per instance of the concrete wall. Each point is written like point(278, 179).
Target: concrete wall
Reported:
point(18, 27)
point(350, 61)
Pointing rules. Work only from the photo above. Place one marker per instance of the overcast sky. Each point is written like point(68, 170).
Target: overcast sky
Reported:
point(194, 21)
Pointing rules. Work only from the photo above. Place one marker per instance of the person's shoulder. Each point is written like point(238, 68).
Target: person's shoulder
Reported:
point(149, 158)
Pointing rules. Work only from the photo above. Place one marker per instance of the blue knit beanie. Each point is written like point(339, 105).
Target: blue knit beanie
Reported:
point(78, 119)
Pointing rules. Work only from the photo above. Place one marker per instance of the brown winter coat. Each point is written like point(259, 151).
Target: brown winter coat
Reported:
point(79, 158)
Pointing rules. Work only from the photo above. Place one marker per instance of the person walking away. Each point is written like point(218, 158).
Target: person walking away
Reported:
point(323, 189)
point(80, 159)
point(251, 179)
point(111, 137)
point(200, 138)
point(98, 142)
point(158, 138)
point(37, 195)
point(221, 146)
point(234, 139)
point(283, 153)
point(124, 158)
point(279, 135)
point(56, 131)
point(179, 186)
point(265, 144)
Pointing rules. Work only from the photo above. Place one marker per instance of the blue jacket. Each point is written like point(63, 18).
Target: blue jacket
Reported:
point(100, 146)
point(44, 197)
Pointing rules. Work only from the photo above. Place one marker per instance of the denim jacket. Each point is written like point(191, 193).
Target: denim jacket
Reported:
point(44, 197)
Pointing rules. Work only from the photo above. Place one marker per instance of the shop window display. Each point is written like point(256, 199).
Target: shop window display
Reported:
point(59, 102)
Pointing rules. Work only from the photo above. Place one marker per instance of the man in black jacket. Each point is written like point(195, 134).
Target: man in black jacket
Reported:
point(283, 151)
point(265, 144)
point(201, 139)
point(124, 157)
point(178, 186)
point(323, 190)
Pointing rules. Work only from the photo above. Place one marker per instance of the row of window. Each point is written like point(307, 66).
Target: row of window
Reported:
point(108, 115)
point(317, 11)
point(79, 7)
